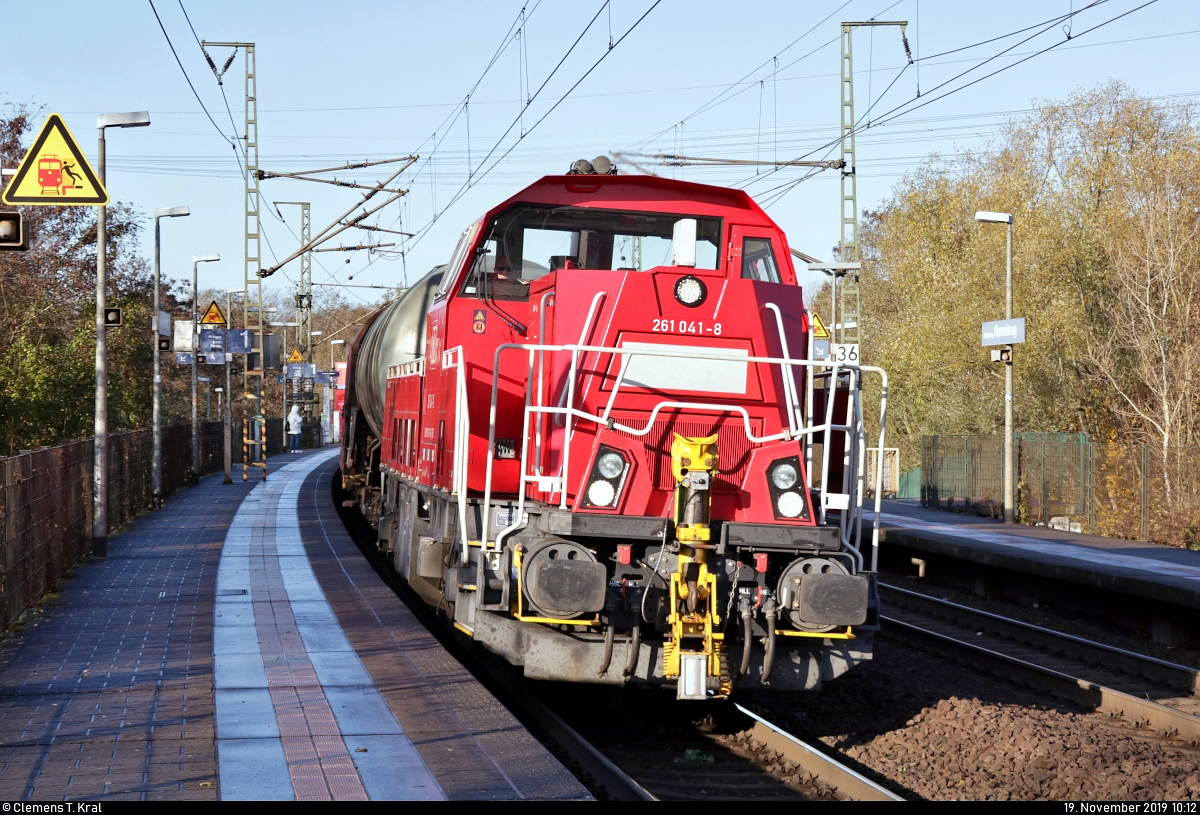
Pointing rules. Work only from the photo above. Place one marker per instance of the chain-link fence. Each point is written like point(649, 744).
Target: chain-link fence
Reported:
point(46, 501)
point(1131, 491)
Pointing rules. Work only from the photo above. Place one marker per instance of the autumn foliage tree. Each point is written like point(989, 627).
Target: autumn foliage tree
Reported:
point(47, 319)
point(1105, 193)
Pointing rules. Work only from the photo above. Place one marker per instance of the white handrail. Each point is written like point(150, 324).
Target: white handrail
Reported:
point(825, 445)
point(854, 427)
point(541, 369)
point(587, 327)
point(808, 409)
point(879, 473)
point(789, 383)
point(453, 358)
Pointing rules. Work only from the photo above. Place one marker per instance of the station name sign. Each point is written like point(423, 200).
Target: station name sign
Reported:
point(1004, 332)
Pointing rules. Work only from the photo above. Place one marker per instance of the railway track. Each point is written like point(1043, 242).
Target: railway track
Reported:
point(655, 752)
point(1145, 691)
point(639, 765)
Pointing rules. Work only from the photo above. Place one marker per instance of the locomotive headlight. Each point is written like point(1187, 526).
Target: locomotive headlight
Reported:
point(790, 505)
point(690, 291)
point(609, 471)
point(786, 489)
point(783, 476)
point(601, 493)
point(610, 465)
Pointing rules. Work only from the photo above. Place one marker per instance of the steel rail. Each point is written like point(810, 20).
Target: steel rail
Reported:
point(616, 782)
point(619, 785)
point(1164, 719)
point(827, 770)
point(1179, 677)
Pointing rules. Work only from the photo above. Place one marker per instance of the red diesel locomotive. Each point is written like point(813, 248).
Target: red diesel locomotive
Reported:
point(588, 440)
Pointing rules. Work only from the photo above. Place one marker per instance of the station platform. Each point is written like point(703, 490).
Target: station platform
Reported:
point(236, 645)
point(1161, 573)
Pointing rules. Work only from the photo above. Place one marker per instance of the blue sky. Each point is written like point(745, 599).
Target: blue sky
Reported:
point(377, 80)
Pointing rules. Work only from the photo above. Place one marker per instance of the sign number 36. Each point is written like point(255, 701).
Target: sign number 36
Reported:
point(845, 353)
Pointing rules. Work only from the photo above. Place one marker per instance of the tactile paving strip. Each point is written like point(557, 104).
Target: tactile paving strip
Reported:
point(473, 745)
point(282, 659)
point(318, 760)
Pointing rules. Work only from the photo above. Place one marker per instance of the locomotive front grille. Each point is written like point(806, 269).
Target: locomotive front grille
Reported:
point(731, 441)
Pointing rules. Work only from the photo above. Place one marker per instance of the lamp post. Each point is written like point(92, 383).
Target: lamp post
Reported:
point(156, 456)
point(331, 344)
point(196, 261)
point(100, 443)
point(1007, 219)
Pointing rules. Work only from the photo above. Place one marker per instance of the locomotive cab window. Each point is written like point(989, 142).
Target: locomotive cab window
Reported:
point(758, 260)
point(527, 242)
point(460, 251)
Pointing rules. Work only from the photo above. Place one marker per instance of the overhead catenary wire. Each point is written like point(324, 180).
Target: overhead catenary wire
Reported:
point(239, 149)
point(917, 103)
point(717, 100)
point(484, 172)
point(437, 213)
point(185, 73)
point(447, 123)
point(232, 142)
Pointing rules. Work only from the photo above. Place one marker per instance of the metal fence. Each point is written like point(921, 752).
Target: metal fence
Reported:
point(46, 502)
point(1131, 491)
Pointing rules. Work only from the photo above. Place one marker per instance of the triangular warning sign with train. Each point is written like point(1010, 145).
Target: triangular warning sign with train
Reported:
point(213, 316)
point(55, 172)
point(295, 356)
point(818, 328)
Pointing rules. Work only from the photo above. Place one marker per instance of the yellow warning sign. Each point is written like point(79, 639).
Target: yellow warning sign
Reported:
point(55, 172)
point(818, 328)
point(213, 316)
point(295, 356)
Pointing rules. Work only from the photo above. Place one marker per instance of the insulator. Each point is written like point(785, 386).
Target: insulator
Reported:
point(907, 50)
point(228, 62)
point(211, 64)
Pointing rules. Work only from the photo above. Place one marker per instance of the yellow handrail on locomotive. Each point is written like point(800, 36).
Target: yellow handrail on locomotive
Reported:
point(848, 634)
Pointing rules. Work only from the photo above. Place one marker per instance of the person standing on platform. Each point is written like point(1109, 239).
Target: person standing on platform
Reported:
point(294, 425)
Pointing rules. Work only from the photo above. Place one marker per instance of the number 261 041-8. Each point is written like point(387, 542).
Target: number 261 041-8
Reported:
point(686, 327)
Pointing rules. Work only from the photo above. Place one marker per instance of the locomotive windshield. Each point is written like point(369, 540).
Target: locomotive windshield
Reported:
point(527, 242)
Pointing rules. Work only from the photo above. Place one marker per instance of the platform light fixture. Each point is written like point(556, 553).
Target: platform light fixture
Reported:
point(1006, 219)
point(100, 444)
point(156, 422)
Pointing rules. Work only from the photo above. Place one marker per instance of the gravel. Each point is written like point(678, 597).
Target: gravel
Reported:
point(933, 730)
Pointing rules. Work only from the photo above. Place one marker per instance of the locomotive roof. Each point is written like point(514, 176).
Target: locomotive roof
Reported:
point(639, 192)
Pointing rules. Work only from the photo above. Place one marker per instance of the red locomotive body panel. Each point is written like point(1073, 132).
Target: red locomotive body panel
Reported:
point(625, 307)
